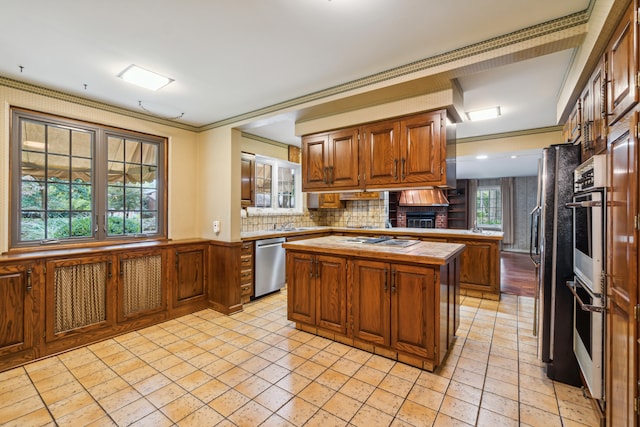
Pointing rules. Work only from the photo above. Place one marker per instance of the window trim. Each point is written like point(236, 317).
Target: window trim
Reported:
point(99, 190)
point(276, 165)
point(499, 198)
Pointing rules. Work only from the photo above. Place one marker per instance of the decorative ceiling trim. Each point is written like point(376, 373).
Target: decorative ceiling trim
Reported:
point(546, 28)
point(265, 140)
point(536, 31)
point(62, 96)
point(525, 132)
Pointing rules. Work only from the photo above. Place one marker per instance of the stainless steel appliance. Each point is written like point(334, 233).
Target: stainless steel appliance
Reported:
point(589, 252)
point(270, 266)
point(551, 252)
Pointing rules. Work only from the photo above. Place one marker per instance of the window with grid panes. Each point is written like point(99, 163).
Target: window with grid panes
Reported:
point(489, 207)
point(76, 182)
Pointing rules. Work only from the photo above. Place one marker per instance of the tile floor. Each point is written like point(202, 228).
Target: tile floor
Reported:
point(254, 369)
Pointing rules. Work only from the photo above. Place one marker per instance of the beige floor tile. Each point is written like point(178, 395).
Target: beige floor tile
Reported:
point(459, 409)
point(368, 416)
point(293, 383)
point(358, 356)
point(396, 385)
point(464, 392)
point(55, 381)
point(250, 415)
point(290, 361)
point(297, 411)
point(83, 416)
point(165, 363)
point(181, 407)
point(305, 351)
point(179, 370)
point(578, 413)
point(204, 416)
point(338, 349)
point(501, 388)
point(234, 376)
point(426, 397)
point(325, 419)
point(500, 405)
point(385, 401)
point(346, 367)
point(210, 390)
point(469, 378)
point(273, 398)
point(165, 395)
point(536, 417)
point(119, 357)
point(542, 401)
point(276, 420)
point(316, 394)
point(70, 404)
point(273, 373)
point(102, 390)
point(218, 367)
point(342, 406)
point(380, 363)
point(252, 386)
point(416, 414)
point(432, 381)
point(139, 374)
point(569, 394)
point(21, 392)
point(229, 402)
point(20, 409)
point(151, 384)
point(59, 393)
point(203, 360)
point(39, 417)
point(370, 375)
point(325, 358)
point(132, 412)
point(357, 389)
point(332, 379)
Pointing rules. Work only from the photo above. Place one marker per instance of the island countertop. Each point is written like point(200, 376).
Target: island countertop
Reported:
point(421, 252)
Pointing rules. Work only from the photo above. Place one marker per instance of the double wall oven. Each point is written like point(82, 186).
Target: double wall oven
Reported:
point(588, 286)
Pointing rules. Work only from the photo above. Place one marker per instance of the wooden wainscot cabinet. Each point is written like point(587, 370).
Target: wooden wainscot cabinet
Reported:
point(19, 287)
point(317, 290)
point(331, 160)
point(142, 284)
point(405, 152)
point(393, 305)
point(190, 278)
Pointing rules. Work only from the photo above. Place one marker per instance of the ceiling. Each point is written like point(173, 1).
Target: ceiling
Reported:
point(237, 59)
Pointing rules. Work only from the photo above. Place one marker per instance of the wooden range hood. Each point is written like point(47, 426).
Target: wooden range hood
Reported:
point(429, 197)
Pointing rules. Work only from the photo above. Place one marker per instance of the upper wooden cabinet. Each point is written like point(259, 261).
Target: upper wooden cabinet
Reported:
point(622, 67)
point(330, 160)
point(403, 152)
point(406, 152)
point(572, 128)
point(247, 162)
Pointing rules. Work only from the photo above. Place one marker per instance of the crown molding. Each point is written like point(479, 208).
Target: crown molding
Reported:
point(513, 134)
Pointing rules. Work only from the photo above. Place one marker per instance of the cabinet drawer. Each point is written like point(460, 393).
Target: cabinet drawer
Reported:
point(247, 248)
point(245, 290)
point(245, 276)
point(246, 261)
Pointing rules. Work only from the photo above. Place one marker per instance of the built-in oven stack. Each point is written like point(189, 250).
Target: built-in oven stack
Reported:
point(589, 265)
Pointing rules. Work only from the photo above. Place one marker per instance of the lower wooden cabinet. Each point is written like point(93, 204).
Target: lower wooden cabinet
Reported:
point(19, 286)
point(317, 290)
point(190, 276)
point(480, 268)
point(246, 272)
point(390, 308)
point(142, 284)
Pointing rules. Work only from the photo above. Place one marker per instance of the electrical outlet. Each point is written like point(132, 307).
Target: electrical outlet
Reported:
point(216, 226)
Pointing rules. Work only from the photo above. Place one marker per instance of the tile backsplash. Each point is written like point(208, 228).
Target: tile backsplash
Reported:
point(357, 213)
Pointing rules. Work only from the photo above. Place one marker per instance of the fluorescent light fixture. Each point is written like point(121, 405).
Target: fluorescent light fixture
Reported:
point(144, 78)
point(487, 113)
point(482, 157)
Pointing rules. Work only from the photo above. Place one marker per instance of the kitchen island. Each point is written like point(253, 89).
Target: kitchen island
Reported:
point(396, 300)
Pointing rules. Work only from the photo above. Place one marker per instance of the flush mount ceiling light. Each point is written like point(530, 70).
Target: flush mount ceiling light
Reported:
point(482, 157)
point(144, 78)
point(487, 113)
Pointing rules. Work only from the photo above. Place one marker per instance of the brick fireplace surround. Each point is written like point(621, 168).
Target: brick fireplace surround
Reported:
point(441, 214)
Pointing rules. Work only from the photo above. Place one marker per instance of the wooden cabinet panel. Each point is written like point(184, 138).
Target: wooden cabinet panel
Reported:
point(622, 66)
point(622, 285)
point(301, 290)
point(190, 277)
point(413, 301)
point(480, 266)
point(331, 293)
point(381, 152)
point(371, 301)
point(142, 287)
point(247, 162)
point(422, 149)
point(16, 308)
point(343, 159)
point(314, 160)
point(572, 128)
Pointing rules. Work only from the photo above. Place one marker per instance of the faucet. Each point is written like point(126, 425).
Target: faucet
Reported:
point(348, 219)
point(286, 225)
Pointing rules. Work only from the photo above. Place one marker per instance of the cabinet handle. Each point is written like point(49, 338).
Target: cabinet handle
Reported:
point(403, 168)
point(331, 175)
point(395, 169)
point(317, 269)
point(393, 281)
point(177, 260)
point(386, 276)
point(110, 267)
point(121, 268)
point(29, 287)
point(324, 174)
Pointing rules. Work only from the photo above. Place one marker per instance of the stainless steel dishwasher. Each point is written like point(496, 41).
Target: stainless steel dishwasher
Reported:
point(270, 266)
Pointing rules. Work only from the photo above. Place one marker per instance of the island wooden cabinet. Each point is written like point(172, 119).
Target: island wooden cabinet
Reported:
point(480, 268)
point(393, 305)
point(317, 290)
point(19, 286)
point(406, 151)
point(331, 160)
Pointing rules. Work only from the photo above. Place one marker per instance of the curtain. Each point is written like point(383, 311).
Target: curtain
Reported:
point(472, 188)
point(79, 295)
point(508, 208)
point(142, 283)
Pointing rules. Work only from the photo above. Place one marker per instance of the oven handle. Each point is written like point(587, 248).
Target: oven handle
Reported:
point(585, 204)
point(585, 307)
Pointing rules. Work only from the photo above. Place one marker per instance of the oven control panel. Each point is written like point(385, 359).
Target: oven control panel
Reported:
point(591, 174)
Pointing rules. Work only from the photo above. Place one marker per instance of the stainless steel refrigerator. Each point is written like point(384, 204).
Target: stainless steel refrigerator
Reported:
point(552, 253)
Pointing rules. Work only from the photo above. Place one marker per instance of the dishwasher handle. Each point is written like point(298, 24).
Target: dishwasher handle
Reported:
point(266, 243)
point(271, 245)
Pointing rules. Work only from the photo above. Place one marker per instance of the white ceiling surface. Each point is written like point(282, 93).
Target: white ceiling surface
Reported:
point(231, 57)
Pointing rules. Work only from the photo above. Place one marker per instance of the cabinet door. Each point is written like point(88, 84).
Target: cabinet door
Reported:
point(330, 201)
point(371, 301)
point(343, 160)
point(301, 292)
point(331, 293)
point(597, 129)
point(622, 66)
point(16, 308)
point(247, 182)
point(477, 266)
point(573, 127)
point(189, 273)
point(142, 284)
point(423, 149)
point(314, 157)
point(622, 284)
point(413, 306)
point(381, 153)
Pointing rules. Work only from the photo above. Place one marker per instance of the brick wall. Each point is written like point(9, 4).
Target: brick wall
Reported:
point(441, 214)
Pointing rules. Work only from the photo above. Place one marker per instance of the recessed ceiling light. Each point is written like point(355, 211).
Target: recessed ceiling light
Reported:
point(144, 78)
point(482, 157)
point(514, 157)
point(487, 113)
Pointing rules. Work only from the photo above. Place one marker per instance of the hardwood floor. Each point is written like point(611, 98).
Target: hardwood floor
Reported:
point(517, 274)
